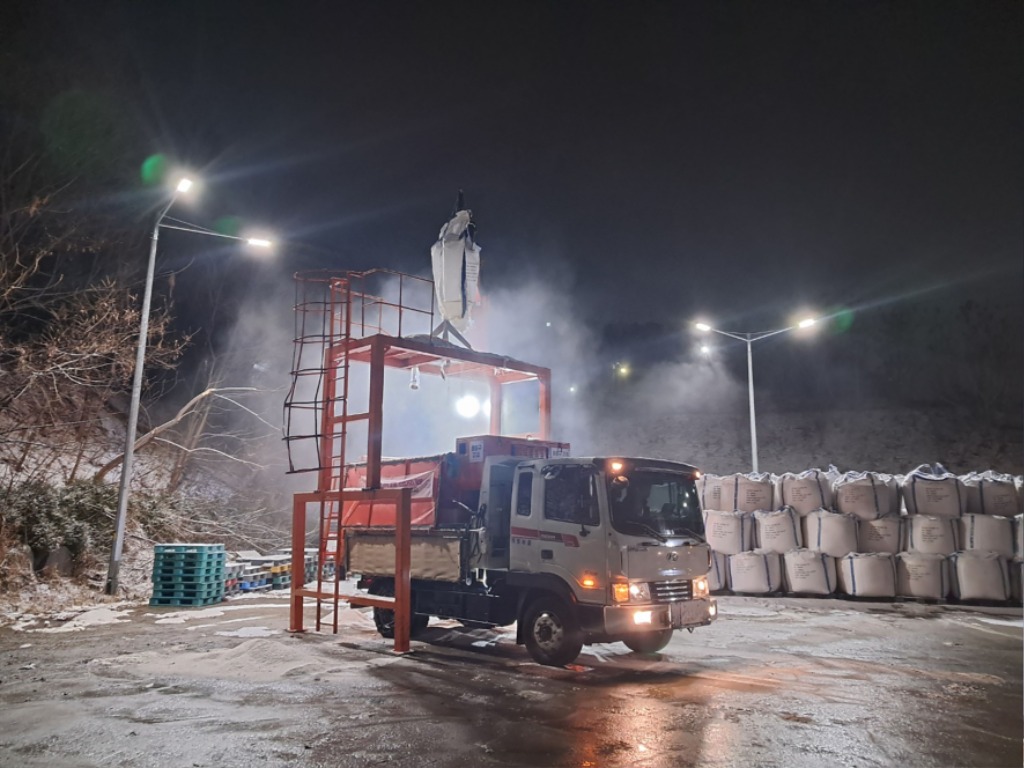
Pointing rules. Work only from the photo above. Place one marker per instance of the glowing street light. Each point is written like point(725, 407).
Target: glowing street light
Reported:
point(749, 339)
point(183, 186)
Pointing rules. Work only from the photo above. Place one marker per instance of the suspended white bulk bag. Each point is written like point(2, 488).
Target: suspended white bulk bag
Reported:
point(867, 575)
point(980, 576)
point(755, 573)
point(933, 491)
point(931, 535)
point(1018, 535)
point(777, 531)
point(805, 492)
point(921, 574)
point(987, 533)
point(867, 495)
point(991, 493)
point(831, 533)
point(455, 259)
point(729, 532)
point(807, 572)
point(718, 574)
point(882, 535)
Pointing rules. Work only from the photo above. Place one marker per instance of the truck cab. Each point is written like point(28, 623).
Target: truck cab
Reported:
point(618, 542)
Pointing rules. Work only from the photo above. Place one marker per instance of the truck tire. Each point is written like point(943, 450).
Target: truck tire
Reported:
point(552, 635)
point(648, 642)
point(384, 619)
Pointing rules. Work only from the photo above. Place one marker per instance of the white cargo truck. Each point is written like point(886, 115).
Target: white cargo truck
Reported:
point(573, 550)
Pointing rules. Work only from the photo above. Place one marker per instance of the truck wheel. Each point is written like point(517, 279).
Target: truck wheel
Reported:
point(648, 642)
point(552, 635)
point(384, 619)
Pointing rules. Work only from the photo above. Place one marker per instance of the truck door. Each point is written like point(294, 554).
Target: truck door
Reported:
point(563, 535)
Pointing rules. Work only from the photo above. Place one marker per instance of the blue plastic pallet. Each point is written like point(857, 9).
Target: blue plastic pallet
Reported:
point(185, 601)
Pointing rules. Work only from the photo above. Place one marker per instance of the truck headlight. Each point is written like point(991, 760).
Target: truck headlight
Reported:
point(701, 588)
point(640, 592)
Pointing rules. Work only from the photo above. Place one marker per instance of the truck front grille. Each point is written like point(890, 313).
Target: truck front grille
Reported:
point(671, 591)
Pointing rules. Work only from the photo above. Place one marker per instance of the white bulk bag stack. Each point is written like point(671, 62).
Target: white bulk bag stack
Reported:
point(931, 535)
point(933, 491)
point(991, 493)
point(867, 575)
point(922, 575)
point(831, 533)
point(729, 532)
point(980, 576)
point(805, 492)
point(809, 572)
point(718, 573)
point(755, 573)
point(1018, 534)
point(882, 535)
point(867, 495)
point(987, 533)
point(777, 531)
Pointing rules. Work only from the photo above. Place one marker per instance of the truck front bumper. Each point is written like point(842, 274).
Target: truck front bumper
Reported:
point(685, 614)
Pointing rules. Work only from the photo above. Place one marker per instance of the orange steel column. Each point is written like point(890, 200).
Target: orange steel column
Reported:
point(375, 421)
point(298, 560)
point(496, 392)
point(545, 406)
point(403, 587)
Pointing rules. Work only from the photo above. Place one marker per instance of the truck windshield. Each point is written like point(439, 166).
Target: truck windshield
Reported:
point(655, 502)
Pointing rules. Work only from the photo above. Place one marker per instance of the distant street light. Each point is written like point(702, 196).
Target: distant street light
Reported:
point(749, 339)
point(182, 187)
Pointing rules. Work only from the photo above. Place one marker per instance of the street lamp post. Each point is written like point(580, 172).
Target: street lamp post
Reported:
point(113, 570)
point(749, 339)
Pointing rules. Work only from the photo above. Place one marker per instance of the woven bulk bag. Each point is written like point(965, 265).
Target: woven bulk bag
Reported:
point(709, 489)
point(922, 575)
point(718, 573)
point(729, 532)
point(867, 495)
point(990, 493)
point(931, 535)
point(1018, 535)
point(804, 492)
point(752, 492)
point(980, 576)
point(867, 575)
point(883, 535)
point(987, 533)
point(831, 533)
point(755, 573)
point(808, 572)
point(777, 531)
point(933, 491)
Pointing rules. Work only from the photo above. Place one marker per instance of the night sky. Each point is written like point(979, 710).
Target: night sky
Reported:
point(736, 159)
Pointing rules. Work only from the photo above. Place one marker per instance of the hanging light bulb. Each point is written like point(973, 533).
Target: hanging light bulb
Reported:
point(414, 377)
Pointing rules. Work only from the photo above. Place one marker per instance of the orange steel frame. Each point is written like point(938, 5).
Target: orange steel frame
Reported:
point(345, 342)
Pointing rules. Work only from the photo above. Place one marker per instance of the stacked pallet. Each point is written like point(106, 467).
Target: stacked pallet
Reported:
point(233, 572)
point(188, 574)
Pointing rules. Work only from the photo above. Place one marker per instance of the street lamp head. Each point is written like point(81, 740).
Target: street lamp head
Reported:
point(807, 322)
point(259, 242)
point(184, 185)
point(702, 327)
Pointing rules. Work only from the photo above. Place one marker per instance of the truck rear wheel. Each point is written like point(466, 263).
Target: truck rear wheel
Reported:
point(648, 642)
point(384, 619)
point(552, 635)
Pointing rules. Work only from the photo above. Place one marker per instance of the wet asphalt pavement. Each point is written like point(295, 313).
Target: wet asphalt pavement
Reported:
point(774, 682)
